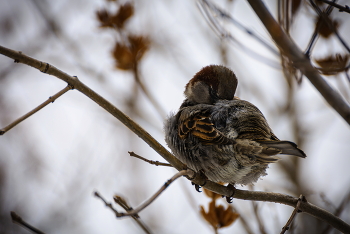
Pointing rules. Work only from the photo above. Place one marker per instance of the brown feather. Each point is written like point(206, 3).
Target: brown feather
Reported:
point(201, 126)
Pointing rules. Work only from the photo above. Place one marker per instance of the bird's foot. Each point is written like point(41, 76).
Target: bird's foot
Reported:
point(233, 189)
point(201, 175)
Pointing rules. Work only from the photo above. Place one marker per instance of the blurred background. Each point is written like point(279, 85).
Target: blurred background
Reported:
point(139, 55)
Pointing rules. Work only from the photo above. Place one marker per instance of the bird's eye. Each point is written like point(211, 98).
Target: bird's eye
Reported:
point(213, 93)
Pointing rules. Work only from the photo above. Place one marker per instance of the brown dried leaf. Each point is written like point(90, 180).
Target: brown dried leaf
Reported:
point(324, 30)
point(116, 20)
point(218, 216)
point(125, 12)
point(123, 56)
point(104, 18)
point(227, 217)
point(332, 65)
point(210, 216)
point(127, 56)
point(138, 46)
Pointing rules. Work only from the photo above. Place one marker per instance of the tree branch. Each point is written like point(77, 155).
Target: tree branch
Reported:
point(295, 211)
point(341, 8)
point(18, 220)
point(217, 188)
point(300, 61)
point(329, 24)
point(123, 204)
point(134, 212)
point(78, 85)
point(157, 163)
point(162, 189)
point(48, 101)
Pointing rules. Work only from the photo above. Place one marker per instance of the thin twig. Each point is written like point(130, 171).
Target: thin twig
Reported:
point(329, 24)
point(243, 220)
point(120, 201)
point(339, 210)
point(328, 11)
point(300, 61)
point(215, 187)
point(108, 204)
point(134, 212)
point(258, 218)
point(347, 75)
point(295, 211)
point(157, 163)
point(226, 16)
point(189, 173)
point(154, 102)
point(18, 220)
point(123, 204)
point(50, 100)
point(341, 8)
point(217, 27)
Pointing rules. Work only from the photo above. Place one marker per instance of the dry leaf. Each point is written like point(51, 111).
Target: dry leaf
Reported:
point(104, 18)
point(116, 20)
point(124, 13)
point(332, 65)
point(324, 30)
point(130, 53)
point(227, 217)
point(138, 46)
point(218, 216)
point(123, 56)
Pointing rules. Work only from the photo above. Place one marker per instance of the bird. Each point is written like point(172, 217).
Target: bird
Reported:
point(217, 134)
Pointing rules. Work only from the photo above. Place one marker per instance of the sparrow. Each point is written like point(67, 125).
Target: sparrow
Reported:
point(225, 138)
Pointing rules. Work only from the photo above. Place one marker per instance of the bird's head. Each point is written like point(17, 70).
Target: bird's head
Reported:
point(210, 84)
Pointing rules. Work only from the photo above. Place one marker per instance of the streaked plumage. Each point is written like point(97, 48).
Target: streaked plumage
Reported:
point(226, 138)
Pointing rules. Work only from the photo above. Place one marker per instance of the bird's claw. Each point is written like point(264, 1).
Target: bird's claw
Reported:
point(230, 198)
point(197, 187)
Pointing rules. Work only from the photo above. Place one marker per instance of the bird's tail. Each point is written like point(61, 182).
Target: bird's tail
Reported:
point(286, 147)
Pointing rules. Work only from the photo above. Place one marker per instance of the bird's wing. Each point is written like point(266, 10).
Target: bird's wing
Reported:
point(250, 124)
point(200, 125)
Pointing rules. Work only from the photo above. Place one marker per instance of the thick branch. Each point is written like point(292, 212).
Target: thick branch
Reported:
point(217, 188)
point(300, 61)
point(306, 207)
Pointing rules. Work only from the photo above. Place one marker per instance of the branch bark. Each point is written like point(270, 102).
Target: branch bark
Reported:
point(300, 61)
point(217, 188)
